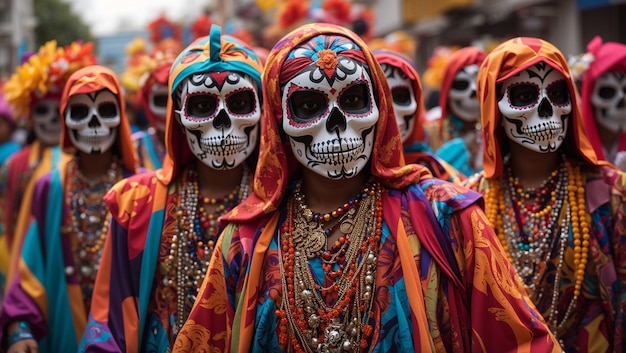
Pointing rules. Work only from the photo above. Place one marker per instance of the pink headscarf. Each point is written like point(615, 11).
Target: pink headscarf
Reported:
point(609, 56)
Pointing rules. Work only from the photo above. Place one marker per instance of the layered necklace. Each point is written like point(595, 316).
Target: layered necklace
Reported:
point(533, 227)
point(331, 316)
point(89, 221)
point(192, 246)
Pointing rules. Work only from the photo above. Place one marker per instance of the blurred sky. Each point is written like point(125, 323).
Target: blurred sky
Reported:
point(106, 17)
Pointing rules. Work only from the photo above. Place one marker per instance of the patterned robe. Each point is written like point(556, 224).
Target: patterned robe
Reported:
point(235, 309)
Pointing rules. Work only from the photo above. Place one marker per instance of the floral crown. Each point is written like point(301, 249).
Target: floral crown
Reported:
point(44, 72)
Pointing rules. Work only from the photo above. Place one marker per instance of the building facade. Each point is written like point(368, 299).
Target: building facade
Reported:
point(17, 32)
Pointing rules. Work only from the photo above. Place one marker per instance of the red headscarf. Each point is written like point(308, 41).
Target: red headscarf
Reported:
point(607, 56)
point(505, 61)
point(392, 58)
point(92, 79)
point(277, 165)
point(160, 75)
point(461, 58)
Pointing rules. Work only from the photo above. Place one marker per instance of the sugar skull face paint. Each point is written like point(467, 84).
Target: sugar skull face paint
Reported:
point(462, 98)
point(47, 120)
point(609, 101)
point(220, 113)
point(403, 94)
point(329, 116)
point(92, 120)
point(535, 108)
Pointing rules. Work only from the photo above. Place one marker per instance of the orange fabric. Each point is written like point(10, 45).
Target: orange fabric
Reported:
point(277, 165)
point(504, 61)
point(91, 79)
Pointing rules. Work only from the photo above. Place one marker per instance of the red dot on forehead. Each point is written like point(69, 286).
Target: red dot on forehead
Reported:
point(333, 91)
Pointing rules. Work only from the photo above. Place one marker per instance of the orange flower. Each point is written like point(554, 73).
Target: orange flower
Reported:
point(327, 60)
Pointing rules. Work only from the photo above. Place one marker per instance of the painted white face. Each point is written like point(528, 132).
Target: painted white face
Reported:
point(220, 113)
point(92, 120)
point(404, 104)
point(330, 119)
point(609, 101)
point(47, 121)
point(462, 98)
point(158, 104)
point(535, 108)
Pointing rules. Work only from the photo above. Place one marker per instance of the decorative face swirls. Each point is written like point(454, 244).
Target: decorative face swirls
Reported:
point(92, 120)
point(404, 104)
point(157, 99)
point(462, 99)
point(47, 120)
point(220, 113)
point(535, 108)
point(609, 101)
point(329, 117)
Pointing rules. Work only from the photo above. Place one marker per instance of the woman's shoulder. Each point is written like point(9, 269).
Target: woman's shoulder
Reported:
point(445, 195)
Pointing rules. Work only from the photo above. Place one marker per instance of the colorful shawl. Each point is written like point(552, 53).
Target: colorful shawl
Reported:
point(42, 292)
point(144, 212)
point(607, 56)
point(416, 149)
point(235, 309)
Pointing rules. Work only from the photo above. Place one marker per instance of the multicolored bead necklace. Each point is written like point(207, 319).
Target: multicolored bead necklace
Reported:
point(307, 323)
point(191, 249)
point(89, 221)
point(530, 233)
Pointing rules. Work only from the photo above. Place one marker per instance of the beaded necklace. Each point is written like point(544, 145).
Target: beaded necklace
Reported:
point(530, 233)
point(307, 321)
point(192, 246)
point(89, 221)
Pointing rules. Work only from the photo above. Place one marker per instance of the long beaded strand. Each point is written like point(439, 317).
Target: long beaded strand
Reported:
point(576, 215)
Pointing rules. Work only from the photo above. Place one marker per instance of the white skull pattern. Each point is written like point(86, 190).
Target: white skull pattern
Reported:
point(158, 104)
point(330, 120)
point(220, 113)
point(535, 107)
point(462, 99)
point(46, 121)
point(92, 120)
point(609, 101)
point(403, 94)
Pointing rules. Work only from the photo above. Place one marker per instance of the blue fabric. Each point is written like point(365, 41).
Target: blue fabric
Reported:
point(456, 154)
point(148, 268)
point(7, 149)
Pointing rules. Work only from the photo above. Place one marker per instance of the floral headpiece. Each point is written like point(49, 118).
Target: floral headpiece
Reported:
point(44, 72)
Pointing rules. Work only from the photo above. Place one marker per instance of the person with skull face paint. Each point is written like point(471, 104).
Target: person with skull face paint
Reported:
point(46, 307)
point(455, 136)
point(343, 247)
point(557, 210)
point(165, 223)
point(153, 99)
point(406, 91)
point(603, 98)
point(34, 90)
